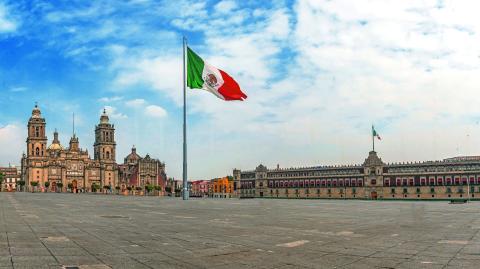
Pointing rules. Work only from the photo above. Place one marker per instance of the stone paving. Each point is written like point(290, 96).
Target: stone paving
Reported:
point(47, 230)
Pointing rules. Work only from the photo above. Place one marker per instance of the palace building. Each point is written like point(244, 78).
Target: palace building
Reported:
point(453, 178)
point(71, 166)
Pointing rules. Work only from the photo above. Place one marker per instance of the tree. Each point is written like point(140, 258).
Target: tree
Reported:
point(1, 180)
point(149, 188)
point(129, 188)
point(60, 186)
point(34, 184)
point(168, 189)
point(118, 189)
point(21, 183)
point(138, 188)
point(70, 186)
point(95, 187)
point(47, 184)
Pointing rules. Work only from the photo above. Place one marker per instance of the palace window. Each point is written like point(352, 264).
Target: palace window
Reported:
point(410, 182)
point(457, 180)
point(432, 181)
point(472, 180)
point(464, 180)
point(423, 181)
point(37, 151)
point(360, 183)
point(387, 182)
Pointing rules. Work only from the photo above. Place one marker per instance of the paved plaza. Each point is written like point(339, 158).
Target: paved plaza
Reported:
point(46, 230)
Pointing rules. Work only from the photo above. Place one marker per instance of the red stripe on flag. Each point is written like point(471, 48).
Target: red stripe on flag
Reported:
point(230, 88)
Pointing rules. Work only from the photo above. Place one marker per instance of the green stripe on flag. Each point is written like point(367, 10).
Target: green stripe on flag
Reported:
point(194, 70)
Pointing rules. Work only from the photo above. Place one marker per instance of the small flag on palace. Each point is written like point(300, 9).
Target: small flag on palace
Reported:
point(374, 133)
point(201, 75)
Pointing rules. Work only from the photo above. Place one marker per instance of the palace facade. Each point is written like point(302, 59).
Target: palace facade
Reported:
point(71, 166)
point(453, 178)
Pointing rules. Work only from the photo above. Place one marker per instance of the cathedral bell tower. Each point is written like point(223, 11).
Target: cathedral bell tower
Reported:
point(104, 147)
point(36, 139)
point(104, 151)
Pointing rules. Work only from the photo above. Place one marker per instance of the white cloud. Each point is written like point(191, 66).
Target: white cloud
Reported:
point(225, 6)
point(155, 111)
point(7, 24)
point(12, 139)
point(18, 89)
point(113, 113)
point(135, 102)
point(110, 99)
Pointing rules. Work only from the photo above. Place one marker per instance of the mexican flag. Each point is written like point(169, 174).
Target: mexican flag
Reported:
point(375, 134)
point(201, 75)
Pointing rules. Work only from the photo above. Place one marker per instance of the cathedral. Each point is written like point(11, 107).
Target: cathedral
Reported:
point(72, 166)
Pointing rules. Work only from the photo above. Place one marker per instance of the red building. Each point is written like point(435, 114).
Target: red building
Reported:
point(199, 188)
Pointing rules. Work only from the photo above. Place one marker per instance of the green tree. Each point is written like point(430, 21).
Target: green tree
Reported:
point(149, 188)
point(1, 181)
point(21, 183)
point(46, 184)
point(34, 184)
point(60, 186)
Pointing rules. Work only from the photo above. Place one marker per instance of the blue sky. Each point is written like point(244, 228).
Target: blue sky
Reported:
point(317, 73)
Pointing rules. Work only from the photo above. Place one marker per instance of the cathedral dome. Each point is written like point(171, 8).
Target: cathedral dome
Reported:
point(55, 146)
point(55, 143)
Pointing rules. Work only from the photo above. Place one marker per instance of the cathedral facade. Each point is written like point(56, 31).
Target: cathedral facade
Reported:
point(71, 166)
point(138, 171)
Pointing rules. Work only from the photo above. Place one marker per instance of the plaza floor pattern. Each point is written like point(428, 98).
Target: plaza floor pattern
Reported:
point(47, 230)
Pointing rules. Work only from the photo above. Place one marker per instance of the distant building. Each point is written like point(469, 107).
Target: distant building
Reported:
point(69, 166)
point(452, 178)
point(199, 188)
point(11, 175)
point(221, 187)
point(137, 171)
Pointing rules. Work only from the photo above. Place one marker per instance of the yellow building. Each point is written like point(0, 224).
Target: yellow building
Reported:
point(221, 187)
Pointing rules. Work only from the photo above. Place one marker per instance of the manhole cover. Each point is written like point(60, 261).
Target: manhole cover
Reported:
point(55, 239)
point(114, 217)
point(98, 266)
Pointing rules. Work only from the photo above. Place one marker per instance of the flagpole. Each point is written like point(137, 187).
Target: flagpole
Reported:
point(373, 140)
point(185, 181)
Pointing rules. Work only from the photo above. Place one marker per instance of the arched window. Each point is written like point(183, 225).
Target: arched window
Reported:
point(37, 151)
point(108, 155)
point(37, 132)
